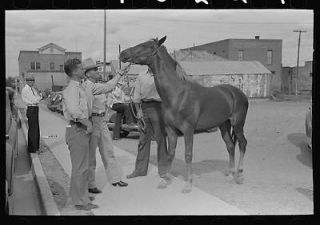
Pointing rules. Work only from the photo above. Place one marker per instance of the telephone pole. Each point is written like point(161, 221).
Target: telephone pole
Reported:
point(297, 74)
point(104, 45)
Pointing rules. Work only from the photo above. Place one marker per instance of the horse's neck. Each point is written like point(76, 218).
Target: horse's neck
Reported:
point(166, 80)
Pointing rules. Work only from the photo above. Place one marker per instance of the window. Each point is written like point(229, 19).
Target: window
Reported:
point(38, 65)
point(61, 68)
point(269, 57)
point(32, 65)
point(240, 55)
point(52, 66)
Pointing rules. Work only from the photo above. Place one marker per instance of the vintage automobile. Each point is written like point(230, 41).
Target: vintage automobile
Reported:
point(308, 126)
point(54, 102)
point(125, 129)
point(12, 125)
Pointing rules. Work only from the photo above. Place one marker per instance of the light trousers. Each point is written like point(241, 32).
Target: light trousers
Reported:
point(101, 138)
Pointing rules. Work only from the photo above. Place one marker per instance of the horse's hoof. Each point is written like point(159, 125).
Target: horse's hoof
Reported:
point(229, 173)
point(164, 183)
point(187, 188)
point(239, 179)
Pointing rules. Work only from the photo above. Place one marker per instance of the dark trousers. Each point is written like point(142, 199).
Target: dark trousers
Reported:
point(33, 130)
point(154, 126)
point(123, 110)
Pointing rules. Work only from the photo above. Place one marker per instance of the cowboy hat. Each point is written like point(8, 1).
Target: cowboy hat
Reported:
point(89, 64)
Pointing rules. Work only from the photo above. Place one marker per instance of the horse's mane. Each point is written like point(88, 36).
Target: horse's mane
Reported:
point(180, 71)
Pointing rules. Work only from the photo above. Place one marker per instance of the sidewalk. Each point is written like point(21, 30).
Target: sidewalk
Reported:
point(141, 197)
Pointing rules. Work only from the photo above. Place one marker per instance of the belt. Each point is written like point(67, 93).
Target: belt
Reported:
point(99, 114)
point(32, 105)
point(78, 124)
point(149, 101)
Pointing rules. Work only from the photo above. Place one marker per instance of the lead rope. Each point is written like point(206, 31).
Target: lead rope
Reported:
point(140, 121)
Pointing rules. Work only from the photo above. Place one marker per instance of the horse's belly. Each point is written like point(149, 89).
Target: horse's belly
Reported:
point(212, 118)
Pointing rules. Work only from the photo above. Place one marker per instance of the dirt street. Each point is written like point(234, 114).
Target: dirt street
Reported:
point(277, 165)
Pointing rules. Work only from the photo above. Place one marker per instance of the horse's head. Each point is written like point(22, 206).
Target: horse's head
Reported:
point(141, 53)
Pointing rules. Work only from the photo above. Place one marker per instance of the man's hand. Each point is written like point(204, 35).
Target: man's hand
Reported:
point(89, 128)
point(139, 114)
point(124, 70)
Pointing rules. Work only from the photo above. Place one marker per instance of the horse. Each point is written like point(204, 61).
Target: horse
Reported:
point(188, 107)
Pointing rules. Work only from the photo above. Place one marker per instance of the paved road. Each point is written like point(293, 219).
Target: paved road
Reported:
point(277, 165)
point(141, 197)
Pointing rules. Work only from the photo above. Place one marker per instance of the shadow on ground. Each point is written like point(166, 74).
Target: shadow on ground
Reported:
point(198, 168)
point(300, 140)
point(308, 193)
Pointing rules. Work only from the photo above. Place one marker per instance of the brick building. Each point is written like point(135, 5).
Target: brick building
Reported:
point(46, 65)
point(304, 79)
point(267, 51)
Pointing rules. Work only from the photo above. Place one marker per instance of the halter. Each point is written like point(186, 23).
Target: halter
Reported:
point(153, 53)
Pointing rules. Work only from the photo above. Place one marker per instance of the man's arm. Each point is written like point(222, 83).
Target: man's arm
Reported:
point(99, 88)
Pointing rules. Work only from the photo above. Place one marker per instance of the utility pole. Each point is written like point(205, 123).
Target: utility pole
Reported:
point(119, 55)
point(104, 45)
point(297, 74)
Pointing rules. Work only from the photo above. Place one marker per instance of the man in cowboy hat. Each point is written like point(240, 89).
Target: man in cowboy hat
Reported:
point(32, 98)
point(100, 136)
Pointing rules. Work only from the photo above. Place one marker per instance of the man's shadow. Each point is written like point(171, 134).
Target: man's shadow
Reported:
point(300, 140)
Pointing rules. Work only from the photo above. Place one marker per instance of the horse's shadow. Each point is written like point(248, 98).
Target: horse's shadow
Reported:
point(198, 168)
point(300, 140)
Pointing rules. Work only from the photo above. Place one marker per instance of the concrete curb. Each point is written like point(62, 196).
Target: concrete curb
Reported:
point(46, 197)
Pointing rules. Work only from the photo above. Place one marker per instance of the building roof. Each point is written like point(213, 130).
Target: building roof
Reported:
point(51, 45)
point(227, 40)
point(224, 67)
point(195, 55)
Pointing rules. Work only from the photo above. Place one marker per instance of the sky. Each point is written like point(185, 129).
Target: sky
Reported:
point(82, 30)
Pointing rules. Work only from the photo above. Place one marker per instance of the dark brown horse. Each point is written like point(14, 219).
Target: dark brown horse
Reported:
point(189, 107)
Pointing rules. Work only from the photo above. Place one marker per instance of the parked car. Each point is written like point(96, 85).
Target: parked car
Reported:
point(54, 102)
point(12, 125)
point(308, 126)
point(125, 129)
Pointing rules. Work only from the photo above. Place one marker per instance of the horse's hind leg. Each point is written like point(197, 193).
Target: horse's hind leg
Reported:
point(242, 147)
point(225, 130)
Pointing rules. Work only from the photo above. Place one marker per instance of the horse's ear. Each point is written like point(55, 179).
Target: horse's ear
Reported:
point(160, 42)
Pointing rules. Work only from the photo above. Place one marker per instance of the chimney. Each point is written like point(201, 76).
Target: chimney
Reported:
point(257, 37)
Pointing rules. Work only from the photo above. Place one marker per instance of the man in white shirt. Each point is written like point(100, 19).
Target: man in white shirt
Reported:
point(32, 98)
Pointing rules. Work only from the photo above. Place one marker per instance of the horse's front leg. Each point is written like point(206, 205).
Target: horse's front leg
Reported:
point(172, 144)
point(188, 140)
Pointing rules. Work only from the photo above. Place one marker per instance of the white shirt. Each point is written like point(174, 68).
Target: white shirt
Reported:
point(75, 101)
point(30, 95)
